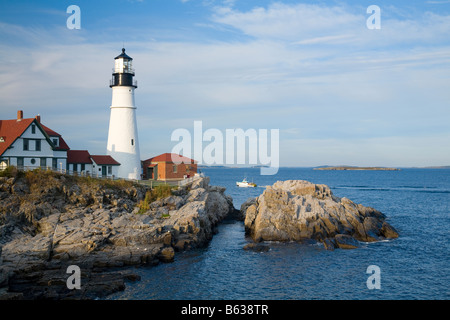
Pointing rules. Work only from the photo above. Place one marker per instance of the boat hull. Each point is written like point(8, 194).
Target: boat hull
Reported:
point(245, 185)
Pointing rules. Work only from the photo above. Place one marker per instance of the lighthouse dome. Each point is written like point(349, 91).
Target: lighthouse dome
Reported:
point(123, 55)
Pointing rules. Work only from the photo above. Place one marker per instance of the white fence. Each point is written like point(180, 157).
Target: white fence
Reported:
point(179, 183)
point(186, 181)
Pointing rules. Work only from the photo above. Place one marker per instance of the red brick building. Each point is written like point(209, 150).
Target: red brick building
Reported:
point(169, 166)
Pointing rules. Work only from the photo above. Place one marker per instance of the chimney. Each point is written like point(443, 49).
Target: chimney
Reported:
point(38, 118)
point(19, 115)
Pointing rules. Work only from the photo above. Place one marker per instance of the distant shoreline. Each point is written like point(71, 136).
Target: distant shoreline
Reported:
point(324, 168)
point(356, 168)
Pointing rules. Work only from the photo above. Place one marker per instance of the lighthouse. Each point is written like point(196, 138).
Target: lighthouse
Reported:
point(123, 142)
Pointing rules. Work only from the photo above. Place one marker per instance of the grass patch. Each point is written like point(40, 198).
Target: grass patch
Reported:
point(40, 177)
point(106, 183)
point(11, 172)
point(157, 193)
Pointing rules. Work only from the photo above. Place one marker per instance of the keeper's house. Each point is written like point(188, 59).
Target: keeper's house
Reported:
point(27, 144)
point(169, 167)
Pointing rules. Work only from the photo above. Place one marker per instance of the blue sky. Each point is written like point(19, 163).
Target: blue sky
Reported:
point(339, 92)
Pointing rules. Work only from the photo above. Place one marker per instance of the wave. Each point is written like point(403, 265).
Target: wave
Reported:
point(396, 188)
point(406, 187)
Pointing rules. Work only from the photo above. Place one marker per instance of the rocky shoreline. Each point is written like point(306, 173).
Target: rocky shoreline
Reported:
point(51, 222)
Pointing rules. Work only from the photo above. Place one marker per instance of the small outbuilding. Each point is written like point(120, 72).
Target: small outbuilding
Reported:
point(169, 167)
point(81, 162)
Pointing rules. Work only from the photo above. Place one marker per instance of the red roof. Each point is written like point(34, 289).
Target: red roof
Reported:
point(10, 130)
point(62, 144)
point(79, 156)
point(105, 160)
point(171, 157)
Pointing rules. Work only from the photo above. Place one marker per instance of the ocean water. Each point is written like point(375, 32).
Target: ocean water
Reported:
point(414, 266)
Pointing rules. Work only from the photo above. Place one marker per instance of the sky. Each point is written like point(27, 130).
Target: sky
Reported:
point(338, 92)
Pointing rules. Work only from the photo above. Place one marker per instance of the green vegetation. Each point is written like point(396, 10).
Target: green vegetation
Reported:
point(157, 193)
point(38, 177)
point(106, 183)
point(11, 172)
point(44, 182)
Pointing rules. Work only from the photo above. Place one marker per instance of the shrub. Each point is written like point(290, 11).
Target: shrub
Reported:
point(158, 192)
point(106, 183)
point(11, 172)
point(38, 176)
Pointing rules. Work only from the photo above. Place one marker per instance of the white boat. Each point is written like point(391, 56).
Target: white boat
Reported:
point(245, 184)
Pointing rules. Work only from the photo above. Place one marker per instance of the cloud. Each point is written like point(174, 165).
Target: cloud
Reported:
point(287, 22)
point(327, 39)
point(319, 24)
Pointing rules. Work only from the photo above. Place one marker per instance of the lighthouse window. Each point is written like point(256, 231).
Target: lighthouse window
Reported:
point(118, 65)
point(25, 144)
point(127, 66)
point(38, 145)
point(33, 129)
point(132, 142)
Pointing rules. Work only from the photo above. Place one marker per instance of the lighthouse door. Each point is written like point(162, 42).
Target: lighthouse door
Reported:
point(104, 171)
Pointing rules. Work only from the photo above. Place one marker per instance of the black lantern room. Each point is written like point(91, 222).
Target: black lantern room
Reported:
point(123, 71)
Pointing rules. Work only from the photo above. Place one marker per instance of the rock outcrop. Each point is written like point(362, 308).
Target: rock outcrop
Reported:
point(296, 210)
point(46, 227)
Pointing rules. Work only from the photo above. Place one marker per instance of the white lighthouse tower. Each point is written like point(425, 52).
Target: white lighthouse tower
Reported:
point(123, 143)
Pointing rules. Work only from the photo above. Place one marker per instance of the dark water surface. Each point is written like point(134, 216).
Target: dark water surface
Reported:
point(414, 266)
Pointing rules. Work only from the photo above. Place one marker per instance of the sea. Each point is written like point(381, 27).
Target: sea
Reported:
point(415, 266)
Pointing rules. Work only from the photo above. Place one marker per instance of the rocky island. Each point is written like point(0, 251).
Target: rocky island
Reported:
point(49, 221)
point(297, 210)
point(356, 168)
